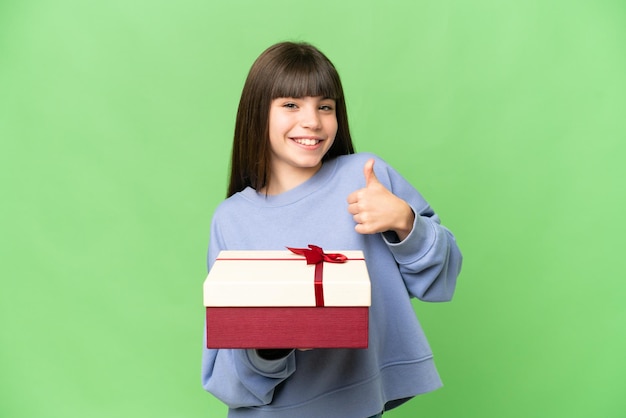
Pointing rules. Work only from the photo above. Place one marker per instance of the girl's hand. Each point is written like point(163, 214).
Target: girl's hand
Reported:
point(375, 209)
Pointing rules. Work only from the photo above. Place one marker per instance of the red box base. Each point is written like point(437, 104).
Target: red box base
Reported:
point(287, 327)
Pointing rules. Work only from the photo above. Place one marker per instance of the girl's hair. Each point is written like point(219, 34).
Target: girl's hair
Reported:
point(286, 69)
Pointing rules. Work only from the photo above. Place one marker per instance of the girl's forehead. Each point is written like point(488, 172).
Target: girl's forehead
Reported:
point(302, 84)
point(301, 93)
point(320, 98)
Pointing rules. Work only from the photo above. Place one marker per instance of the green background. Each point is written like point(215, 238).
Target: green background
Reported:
point(116, 121)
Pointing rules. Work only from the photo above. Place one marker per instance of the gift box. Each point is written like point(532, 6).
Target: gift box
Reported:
point(298, 298)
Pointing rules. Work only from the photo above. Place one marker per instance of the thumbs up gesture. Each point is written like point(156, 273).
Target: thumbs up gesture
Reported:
point(376, 209)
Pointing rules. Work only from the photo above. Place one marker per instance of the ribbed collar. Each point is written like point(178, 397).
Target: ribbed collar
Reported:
point(301, 191)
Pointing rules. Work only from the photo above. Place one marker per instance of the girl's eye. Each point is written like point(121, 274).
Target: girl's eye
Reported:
point(326, 108)
point(290, 105)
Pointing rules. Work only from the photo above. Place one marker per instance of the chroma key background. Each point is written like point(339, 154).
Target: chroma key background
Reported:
point(116, 121)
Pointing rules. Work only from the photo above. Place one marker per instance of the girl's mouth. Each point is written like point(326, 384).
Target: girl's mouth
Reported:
point(307, 141)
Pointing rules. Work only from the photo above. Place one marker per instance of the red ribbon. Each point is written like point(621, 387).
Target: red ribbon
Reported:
point(316, 255)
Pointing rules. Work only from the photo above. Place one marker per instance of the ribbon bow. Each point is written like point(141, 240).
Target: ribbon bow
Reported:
point(316, 255)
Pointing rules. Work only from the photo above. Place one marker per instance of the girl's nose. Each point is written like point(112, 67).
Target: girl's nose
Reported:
point(311, 119)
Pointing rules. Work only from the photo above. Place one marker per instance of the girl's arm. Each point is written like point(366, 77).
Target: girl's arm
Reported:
point(429, 259)
point(426, 252)
point(242, 377)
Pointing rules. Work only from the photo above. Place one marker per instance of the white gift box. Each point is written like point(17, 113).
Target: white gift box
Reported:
point(274, 299)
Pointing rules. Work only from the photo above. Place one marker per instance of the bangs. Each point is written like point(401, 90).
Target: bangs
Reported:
point(307, 78)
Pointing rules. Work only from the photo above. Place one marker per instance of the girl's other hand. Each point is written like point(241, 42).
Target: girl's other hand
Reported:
point(375, 209)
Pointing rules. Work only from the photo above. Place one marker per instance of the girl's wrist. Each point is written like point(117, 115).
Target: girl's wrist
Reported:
point(405, 223)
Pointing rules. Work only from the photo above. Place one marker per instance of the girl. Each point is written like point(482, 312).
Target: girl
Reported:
point(295, 180)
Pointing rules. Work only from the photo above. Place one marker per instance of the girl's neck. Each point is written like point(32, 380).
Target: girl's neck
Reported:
point(285, 180)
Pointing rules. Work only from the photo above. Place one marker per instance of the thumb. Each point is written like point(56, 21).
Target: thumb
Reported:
point(368, 172)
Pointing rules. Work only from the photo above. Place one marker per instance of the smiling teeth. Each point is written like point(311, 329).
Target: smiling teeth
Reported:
point(306, 141)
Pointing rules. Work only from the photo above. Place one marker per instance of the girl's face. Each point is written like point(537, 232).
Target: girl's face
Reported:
point(301, 131)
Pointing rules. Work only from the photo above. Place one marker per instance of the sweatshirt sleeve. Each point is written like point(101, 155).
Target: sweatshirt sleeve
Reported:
point(238, 377)
point(429, 258)
point(241, 377)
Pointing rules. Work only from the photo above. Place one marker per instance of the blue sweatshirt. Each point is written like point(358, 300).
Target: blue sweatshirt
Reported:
point(342, 383)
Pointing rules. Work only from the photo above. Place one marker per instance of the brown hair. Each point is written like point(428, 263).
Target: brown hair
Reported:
point(286, 69)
